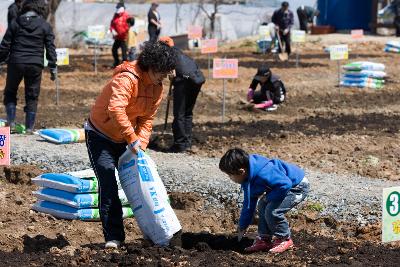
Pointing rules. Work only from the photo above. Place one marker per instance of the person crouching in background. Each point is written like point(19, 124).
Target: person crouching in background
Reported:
point(23, 48)
point(272, 92)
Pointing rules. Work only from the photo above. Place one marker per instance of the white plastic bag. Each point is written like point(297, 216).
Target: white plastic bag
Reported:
point(148, 197)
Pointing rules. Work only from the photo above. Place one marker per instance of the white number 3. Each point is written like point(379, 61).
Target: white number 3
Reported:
point(394, 208)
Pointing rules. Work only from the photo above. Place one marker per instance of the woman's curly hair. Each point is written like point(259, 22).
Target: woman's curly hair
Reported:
point(158, 57)
point(38, 6)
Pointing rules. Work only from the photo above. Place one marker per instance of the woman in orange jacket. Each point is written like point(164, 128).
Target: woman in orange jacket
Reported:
point(121, 117)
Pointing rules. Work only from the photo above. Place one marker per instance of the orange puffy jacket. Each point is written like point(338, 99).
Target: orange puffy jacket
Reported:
point(125, 109)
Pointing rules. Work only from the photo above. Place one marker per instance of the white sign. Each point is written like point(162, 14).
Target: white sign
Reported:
point(62, 57)
point(391, 214)
point(264, 32)
point(97, 32)
point(339, 52)
point(298, 36)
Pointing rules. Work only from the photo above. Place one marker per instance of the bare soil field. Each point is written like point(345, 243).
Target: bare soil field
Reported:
point(320, 126)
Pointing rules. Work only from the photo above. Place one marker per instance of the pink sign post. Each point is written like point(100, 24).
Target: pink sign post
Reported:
point(209, 46)
point(225, 69)
point(357, 34)
point(195, 32)
point(5, 146)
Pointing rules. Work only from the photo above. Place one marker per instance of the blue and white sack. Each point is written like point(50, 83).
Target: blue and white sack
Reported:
point(148, 197)
point(65, 212)
point(62, 136)
point(67, 183)
point(364, 65)
point(78, 201)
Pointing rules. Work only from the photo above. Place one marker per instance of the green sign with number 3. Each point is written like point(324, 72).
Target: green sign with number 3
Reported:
point(391, 214)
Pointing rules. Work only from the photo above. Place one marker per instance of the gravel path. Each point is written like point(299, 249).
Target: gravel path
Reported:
point(345, 197)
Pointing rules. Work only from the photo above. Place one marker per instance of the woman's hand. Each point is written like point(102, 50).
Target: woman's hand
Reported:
point(135, 146)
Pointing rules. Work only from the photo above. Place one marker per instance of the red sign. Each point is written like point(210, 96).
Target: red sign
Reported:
point(209, 46)
point(357, 34)
point(5, 146)
point(195, 32)
point(225, 68)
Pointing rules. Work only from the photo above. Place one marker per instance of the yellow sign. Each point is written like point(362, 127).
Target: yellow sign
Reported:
point(264, 32)
point(339, 52)
point(298, 36)
point(97, 32)
point(62, 56)
point(391, 214)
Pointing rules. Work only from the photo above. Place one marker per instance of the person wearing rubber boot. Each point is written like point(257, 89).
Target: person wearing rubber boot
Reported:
point(122, 117)
point(272, 92)
point(283, 19)
point(23, 48)
point(187, 84)
point(276, 185)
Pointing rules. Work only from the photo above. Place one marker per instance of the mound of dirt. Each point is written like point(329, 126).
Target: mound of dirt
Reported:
point(20, 174)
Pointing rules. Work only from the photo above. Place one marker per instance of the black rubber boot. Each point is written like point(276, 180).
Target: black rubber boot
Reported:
point(11, 111)
point(30, 122)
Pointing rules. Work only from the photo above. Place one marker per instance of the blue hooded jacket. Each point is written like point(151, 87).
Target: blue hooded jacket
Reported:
point(273, 176)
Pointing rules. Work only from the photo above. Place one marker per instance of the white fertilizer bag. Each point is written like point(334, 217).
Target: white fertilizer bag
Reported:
point(148, 197)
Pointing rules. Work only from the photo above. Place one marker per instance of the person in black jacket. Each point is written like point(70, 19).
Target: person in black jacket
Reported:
point(396, 7)
point(272, 91)
point(283, 19)
point(13, 11)
point(306, 16)
point(187, 85)
point(23, 49)
point(154, 23)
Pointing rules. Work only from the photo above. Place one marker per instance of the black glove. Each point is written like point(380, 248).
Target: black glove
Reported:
point(53, 73)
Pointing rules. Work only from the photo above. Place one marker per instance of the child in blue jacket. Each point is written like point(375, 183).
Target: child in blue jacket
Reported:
point(276, 185)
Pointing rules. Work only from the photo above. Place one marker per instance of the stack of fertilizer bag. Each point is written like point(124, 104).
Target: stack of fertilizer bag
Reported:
point(363, 74)
point(72, 196)
point(392, 47)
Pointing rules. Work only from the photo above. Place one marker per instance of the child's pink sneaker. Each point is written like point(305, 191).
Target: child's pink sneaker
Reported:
point(260, 244)
point(281, 245)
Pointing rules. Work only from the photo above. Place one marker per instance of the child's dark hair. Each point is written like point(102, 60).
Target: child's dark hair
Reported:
point(130, 21)
point(233, 160)
point(157, 56)
point(38, 6)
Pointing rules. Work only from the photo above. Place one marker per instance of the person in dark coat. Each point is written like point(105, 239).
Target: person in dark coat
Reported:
point(187, 85)
point(306, 16)
point(396, 8)
point(13, 11)
point(23, 49)
point(283, 19)
point(272, 91)
point(154, 21)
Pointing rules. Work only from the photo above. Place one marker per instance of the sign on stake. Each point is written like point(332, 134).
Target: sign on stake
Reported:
point(298, 37)
point(391, 214)
point(225, 69)
point(5, 146)
point(339, 52)
point(96, 32)
point(209, 46)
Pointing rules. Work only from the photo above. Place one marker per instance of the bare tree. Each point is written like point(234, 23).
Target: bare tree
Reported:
point(178, 6)
point(211, 15)
point(51, 15)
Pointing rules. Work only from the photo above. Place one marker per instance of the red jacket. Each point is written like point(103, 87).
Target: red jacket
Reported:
point(119, 24)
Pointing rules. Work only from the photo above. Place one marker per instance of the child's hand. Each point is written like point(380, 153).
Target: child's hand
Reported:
point(240, 234)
